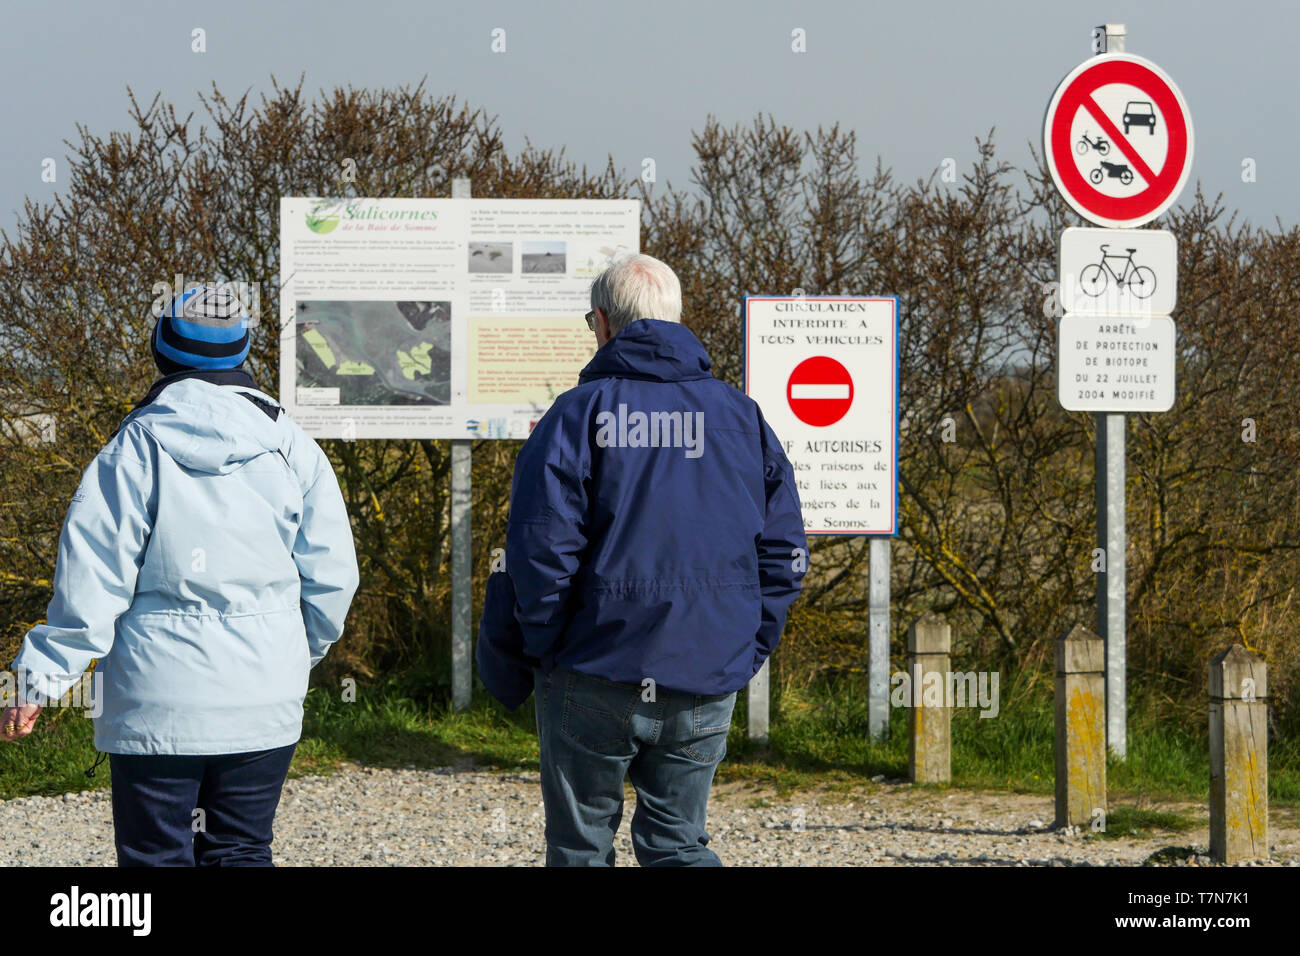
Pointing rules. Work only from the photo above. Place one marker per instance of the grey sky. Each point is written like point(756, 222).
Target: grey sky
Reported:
point(917, 80)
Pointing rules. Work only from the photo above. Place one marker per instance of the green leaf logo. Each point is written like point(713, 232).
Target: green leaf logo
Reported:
point(323, 217)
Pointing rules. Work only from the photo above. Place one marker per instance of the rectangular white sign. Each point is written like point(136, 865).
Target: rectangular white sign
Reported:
point(1119, 271)
point(1116, 363)
point(824, 370)
point(439, 318)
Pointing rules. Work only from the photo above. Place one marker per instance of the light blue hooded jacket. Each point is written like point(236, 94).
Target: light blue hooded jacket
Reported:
point(207, 562)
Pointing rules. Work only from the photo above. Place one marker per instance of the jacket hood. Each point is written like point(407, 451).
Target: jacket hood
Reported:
point(209, 428)
point(651, 350)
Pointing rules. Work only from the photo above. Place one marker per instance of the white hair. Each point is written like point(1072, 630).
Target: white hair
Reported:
point(637, 287)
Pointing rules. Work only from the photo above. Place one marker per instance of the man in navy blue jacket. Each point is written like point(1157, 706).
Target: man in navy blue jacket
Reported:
point(655, 543)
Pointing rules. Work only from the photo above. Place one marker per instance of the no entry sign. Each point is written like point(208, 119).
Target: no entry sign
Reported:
point(1118, 140)
point(820, 391)
point(824, 370)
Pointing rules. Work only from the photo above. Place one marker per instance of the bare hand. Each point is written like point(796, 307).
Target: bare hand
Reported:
point(17, 722)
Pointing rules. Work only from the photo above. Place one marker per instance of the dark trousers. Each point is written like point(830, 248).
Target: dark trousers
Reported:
point(202, 810)
point(593, 734)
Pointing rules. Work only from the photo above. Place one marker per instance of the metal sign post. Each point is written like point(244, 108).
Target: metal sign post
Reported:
point(878, 638)
point(758, 700)
point(1118, 141)
point(1112, 582)
point(462, 565)
point(1112, 538)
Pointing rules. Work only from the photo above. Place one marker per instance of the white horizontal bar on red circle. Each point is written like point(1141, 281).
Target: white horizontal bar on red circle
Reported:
point(819, 391)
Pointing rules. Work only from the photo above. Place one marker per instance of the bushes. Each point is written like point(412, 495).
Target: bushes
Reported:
point(997, 505)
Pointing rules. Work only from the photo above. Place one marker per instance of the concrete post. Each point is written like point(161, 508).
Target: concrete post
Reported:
point(1238, 756)
point(929, 745)
point(1080, 728)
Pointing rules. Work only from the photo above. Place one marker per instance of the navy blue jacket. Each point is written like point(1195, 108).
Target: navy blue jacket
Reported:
point(655, 529)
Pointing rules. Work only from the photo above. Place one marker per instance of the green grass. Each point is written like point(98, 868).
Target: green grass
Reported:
point(388, 728)
point(823, 731)
point(53, 759)
point(818, 740)
point(1123, 822)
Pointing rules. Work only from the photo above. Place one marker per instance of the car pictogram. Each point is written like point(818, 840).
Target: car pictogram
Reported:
point(1140, 113)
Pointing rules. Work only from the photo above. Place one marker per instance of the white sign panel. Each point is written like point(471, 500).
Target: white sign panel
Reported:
point(439, 318)
point(1119, 271)
point(824, 370)
point(1116, 363)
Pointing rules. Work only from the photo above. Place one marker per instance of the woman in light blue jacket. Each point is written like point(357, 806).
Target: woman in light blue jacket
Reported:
point(207, 563)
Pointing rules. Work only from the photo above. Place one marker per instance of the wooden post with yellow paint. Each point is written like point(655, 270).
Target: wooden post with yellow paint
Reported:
point(1238, 756)
point(929, 747)
point(1080, 728)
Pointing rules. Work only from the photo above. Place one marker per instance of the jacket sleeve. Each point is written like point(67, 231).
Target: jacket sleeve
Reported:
point(101, 549)
point(547, 530)
point(504, 668)
point(782, 546)
point(323, 551)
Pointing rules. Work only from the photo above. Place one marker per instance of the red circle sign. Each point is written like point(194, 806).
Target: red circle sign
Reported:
point(1117, 138)
point(820, 391)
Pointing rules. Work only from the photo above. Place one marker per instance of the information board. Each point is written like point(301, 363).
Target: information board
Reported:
point(439, 318)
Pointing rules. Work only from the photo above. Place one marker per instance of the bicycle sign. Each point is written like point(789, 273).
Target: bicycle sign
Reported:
point(1139, 281)
point(1117, 137)
point(1118, 271)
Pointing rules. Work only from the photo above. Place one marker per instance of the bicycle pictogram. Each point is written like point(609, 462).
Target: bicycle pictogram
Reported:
point(1139, 280)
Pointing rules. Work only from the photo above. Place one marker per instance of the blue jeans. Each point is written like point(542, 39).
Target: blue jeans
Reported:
point(593, 733)
point(155, 797)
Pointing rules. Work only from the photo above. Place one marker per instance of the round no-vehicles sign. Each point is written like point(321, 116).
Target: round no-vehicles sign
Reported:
point(824, 371)
point(1117, 138)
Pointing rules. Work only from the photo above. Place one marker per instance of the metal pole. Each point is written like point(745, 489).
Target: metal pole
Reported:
point(1112, 583)
point(758, 697)
point(462, 566)
point(878, 639)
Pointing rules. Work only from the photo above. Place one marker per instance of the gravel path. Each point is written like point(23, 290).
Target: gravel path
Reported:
point(363, 816)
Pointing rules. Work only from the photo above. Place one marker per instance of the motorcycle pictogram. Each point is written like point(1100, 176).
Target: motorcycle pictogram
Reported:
point(1118, 171)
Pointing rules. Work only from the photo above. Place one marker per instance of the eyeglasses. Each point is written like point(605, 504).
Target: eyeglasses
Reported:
point(591, 320)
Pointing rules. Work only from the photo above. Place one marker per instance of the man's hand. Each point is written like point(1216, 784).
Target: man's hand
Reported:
point(17, 722)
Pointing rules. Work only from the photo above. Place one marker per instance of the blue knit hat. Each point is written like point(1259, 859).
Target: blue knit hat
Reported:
point(202, 328)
